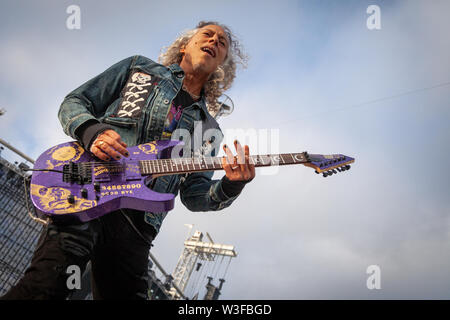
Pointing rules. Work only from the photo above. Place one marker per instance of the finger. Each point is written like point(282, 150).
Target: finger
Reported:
point(251, 167)
point(99, 154)
point(240, 155)
point(116, 145)
point(115, 136)
point(106, 148)
point(231, 174)
point(226, 167)
point(230, 157)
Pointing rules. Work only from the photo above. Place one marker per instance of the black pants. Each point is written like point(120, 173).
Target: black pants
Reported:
point(117, 244)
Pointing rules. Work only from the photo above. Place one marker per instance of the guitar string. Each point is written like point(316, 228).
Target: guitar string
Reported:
point(150, 168)
point(166, 163)
point(161, 163)
point(210, 159)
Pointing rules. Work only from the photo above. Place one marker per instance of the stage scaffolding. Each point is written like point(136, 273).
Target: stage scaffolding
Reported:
point(18, 232)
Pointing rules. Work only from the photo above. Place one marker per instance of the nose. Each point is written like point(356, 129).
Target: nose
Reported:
point(215, 39)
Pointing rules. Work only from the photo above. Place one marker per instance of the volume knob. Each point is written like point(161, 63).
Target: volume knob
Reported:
point(84, 193)
point(71, 199)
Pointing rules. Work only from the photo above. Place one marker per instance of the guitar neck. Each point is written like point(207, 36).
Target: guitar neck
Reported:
point(188, 165)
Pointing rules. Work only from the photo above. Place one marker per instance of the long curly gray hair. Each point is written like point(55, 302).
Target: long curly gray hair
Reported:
point(221, 79)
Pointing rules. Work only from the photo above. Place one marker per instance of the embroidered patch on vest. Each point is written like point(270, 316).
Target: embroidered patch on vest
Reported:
point(135, 94)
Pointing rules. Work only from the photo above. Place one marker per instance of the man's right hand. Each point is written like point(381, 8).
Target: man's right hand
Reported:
point(109, 145)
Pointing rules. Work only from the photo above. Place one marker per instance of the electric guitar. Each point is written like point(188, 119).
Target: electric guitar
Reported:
point(69, 184)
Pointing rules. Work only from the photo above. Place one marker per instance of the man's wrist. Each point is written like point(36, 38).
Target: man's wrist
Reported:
point(89, 131)
point(232, 188)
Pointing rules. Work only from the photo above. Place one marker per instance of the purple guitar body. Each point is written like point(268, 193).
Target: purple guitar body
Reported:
point(106, 186)
point(70, 185)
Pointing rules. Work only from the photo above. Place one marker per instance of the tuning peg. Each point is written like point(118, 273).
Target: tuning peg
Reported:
point(343, 168)
point(325, 174)
point(317, 172)
point(347, 167)
point(334, 171)
point(330, 173)
point(339, 169)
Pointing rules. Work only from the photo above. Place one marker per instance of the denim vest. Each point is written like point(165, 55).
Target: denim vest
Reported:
point(102, 98)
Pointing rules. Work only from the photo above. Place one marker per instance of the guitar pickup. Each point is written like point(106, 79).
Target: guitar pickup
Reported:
point(132, 172)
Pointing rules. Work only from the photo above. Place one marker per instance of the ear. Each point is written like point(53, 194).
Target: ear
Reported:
point(183, 49)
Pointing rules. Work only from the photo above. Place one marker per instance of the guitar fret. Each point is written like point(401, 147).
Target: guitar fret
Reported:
point(286, 158)
point(219, 163)
point(154, 166)
point(199, 164)
point(278, 158)
point(213, 163)
point(292, 157)
point(181, 164)
point(158, 166)
point(167, 167)
point(299, 157)
point(208, 165)
point(202, 163)
point(267, 159)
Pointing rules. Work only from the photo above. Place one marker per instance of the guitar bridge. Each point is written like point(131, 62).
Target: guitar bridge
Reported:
point(77, 173)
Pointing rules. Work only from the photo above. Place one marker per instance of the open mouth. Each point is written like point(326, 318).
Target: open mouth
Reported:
point(211, 52)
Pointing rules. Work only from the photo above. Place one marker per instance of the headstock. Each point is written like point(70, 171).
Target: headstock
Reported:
point(329, 164)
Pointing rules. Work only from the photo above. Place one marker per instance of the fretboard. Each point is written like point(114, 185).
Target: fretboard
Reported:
point(187, 165)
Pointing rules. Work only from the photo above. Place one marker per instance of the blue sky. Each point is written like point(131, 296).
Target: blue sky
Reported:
point(319, 76)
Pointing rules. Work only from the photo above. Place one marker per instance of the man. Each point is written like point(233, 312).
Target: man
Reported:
point(133, 102)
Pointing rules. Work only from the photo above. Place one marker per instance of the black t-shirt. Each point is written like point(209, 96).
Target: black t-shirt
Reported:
point(182, 100)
